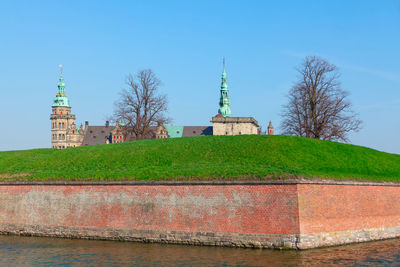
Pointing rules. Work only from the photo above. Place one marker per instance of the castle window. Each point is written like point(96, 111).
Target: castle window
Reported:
point(63, 137)
point(59, 125)
point(63, 125)
point(59, 137)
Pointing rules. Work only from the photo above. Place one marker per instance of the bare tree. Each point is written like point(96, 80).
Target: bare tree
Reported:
point(317, 106)
point(140, 104)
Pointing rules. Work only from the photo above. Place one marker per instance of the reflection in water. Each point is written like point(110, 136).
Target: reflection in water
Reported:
point(39, 251)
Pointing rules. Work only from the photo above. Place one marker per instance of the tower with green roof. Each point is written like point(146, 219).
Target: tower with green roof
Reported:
point(223, 123)
point(64, 133)
point(224, 104)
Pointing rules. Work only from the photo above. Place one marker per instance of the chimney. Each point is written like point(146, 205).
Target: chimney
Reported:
point(107, 123)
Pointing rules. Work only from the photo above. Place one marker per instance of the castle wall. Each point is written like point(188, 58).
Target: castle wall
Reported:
point(234, 125)
point(290, 214)
point(234, 128)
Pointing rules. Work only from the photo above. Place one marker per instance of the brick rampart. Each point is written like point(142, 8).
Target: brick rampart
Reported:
point(292, 215)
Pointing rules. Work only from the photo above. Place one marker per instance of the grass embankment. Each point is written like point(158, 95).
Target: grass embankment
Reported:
point(211, 157)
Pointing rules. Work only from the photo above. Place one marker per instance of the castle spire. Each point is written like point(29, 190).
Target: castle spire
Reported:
point(61, 83)
point(224, 104)
point(61, 99)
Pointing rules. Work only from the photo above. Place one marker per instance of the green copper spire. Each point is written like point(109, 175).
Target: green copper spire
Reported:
point(224, 104)
point(61, 99)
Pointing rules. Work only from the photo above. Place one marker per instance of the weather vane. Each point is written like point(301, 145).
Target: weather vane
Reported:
point(61, 68)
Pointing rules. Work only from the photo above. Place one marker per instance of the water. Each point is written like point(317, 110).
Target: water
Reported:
point(40, 251)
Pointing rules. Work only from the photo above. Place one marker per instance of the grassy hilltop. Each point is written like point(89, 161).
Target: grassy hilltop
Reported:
point(211, 157)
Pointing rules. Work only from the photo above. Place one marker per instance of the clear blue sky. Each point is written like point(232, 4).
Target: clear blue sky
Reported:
point(100, 42)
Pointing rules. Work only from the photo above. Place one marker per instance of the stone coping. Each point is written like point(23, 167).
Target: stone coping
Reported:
point(216, 183)
point(234, 120)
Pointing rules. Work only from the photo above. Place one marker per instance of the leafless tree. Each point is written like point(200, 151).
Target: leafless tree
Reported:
point(140, 104)
point(318, 107)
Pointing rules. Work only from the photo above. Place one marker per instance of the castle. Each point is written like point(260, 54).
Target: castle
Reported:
point(66, 134)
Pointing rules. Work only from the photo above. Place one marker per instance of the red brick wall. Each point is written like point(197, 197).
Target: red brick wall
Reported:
point(254, 209)
point(332, 208)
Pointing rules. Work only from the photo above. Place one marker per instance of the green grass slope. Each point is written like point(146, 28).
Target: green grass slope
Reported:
point(211, 157)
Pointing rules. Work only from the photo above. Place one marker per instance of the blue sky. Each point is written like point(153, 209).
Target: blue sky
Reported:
point(100, 42)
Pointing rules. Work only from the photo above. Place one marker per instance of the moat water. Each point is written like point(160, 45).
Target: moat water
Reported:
point(39, 251)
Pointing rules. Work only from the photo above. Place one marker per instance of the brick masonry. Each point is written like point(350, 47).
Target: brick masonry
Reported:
point(266, 215)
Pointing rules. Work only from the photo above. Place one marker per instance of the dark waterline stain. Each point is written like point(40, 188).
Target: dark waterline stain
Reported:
point(40, 251)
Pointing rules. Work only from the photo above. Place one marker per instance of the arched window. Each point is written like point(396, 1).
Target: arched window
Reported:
point(63, 125)
point(59, 136)
point(63, 137)
point(59, 125)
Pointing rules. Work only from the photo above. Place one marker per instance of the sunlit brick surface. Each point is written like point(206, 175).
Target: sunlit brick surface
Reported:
point(332, 208)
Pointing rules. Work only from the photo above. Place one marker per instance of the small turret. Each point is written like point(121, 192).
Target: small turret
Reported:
point(270, 129)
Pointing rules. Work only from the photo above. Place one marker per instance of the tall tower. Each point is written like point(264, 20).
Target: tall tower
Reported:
point(61, 118)
point(224, 104)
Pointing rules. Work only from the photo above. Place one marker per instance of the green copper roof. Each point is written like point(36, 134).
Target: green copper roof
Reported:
point(224, 103)
point(61, 99)
point(174, 131)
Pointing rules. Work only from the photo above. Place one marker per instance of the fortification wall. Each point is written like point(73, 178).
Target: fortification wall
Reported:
point(292, 214)
point(333, 214)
